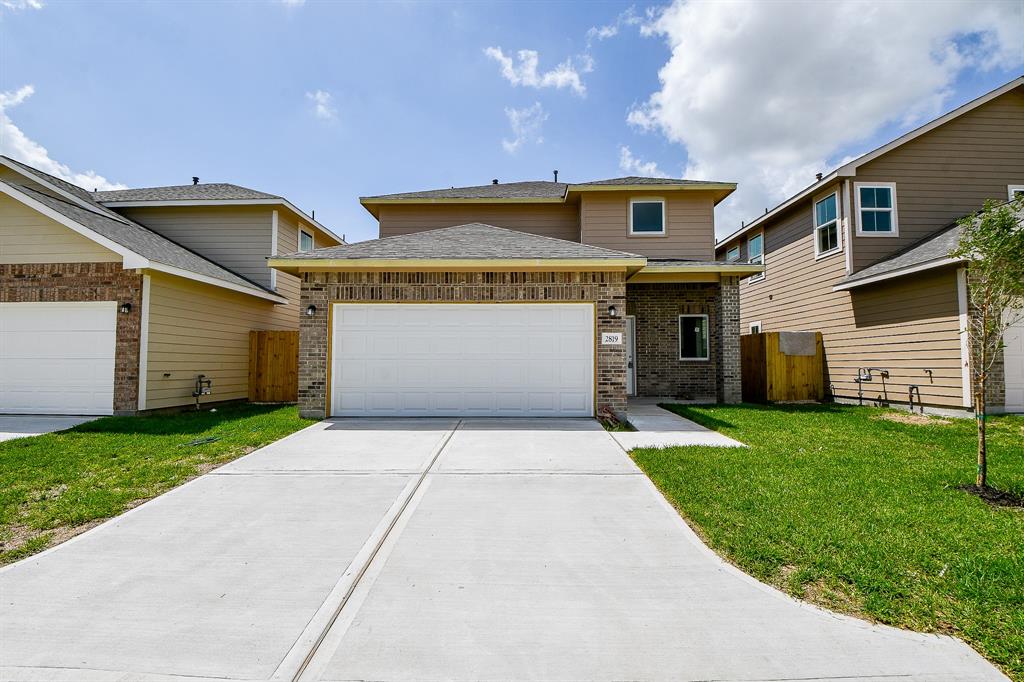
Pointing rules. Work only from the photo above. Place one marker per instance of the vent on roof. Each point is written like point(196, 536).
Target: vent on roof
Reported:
point(195, 180)
point(817, 176)
point(494, 181)
point(556, 176)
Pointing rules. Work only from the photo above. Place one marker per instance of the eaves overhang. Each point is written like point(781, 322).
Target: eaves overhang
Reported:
point(296, 265)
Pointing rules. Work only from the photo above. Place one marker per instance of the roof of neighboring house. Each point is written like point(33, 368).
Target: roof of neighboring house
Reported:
point(536, 189)
point(140, 240)
point(931, 251)
point(475, 241)
point(849, 169)
point(639, 180)
point(210, 191)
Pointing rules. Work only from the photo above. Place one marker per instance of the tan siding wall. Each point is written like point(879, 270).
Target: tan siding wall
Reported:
point(200, 329)
point(907, 326)
point(27, 236)
point(948, 172)
point(237, 237)
point(288, 285)
point(689, 228)
point(552, 220)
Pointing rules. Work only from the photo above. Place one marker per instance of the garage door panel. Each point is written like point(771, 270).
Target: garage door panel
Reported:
point(57, 358)
point(455, 359)
point(1013, 363)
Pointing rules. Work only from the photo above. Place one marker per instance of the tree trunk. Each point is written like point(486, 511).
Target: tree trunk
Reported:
point(979, 415)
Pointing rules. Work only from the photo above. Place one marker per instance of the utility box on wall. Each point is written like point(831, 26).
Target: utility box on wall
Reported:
point(782, 367)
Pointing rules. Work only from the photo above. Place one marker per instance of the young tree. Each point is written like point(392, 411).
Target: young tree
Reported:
point(992, 244)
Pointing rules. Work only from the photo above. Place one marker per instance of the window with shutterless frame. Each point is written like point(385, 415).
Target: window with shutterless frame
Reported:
point(876, 209)
point(647, 217)
point(755, 254)
point(826, 225)
point(305, 241)
point(732, 254)
point(693, 337)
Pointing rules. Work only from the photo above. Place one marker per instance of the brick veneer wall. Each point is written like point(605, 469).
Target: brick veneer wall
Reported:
point(73, 282)
point(659, 371)
point(320, 288)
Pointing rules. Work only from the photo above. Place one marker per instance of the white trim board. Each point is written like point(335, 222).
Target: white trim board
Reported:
point(965, 347)
point(144, 340)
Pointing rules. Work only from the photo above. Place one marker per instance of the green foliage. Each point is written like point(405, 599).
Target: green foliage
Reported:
point(846, 508)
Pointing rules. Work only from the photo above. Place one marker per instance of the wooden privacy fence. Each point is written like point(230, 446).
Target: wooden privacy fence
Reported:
point(273, 366)
point(782, 366)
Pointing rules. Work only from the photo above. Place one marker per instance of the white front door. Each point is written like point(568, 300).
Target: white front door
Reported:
point(630, 355)
point(57, 358)
point(1013, 363)
point(440, 359)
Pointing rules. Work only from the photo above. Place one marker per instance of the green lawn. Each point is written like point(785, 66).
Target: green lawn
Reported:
point(57, 485)
point(860, 514)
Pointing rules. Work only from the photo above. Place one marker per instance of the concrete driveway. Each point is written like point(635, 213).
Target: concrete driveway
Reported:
point(427, 550)
point(22, 425)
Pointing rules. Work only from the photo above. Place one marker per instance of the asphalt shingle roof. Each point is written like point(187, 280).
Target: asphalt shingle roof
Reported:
point(638, 180)
point(138, 239)
point(66, 186)
point(934, 247)
point(677, 262)
point(472, 241)
point(538, 189)
point(210, 191)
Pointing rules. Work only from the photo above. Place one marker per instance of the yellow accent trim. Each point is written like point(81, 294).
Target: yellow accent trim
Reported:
point(294, 265)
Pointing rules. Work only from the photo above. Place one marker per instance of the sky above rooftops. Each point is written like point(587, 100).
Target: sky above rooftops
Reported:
point(322, 102)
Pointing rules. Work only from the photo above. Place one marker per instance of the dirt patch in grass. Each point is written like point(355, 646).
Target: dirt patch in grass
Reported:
point(913, 419)
point(997, 498)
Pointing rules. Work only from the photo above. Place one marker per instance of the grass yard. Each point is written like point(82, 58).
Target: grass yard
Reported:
point(57, 485)
point(844, 508)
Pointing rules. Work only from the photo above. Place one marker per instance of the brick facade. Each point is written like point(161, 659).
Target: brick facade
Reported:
point(320, 288)
point(659, 371)
point(73, 282)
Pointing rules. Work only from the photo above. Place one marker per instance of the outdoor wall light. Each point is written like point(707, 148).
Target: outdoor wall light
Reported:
point(310, 310)
point(125, 308)
point(612, 311)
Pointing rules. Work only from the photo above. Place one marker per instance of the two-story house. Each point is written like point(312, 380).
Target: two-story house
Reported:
point(522, 299)
point(115, 302)
point(862, 255)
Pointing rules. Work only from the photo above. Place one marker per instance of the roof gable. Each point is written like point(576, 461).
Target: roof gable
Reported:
point(211, 191)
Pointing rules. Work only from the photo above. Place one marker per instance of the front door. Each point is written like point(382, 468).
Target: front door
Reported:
point(630, 355)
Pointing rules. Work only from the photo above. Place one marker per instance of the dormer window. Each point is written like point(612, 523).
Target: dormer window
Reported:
point(647, 217)
point(305, 241)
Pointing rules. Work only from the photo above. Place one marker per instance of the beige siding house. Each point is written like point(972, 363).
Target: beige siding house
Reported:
point(115, 302)
point(862, 256)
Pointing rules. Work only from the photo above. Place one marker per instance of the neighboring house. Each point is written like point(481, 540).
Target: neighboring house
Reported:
point(114, 302)
point(861, 255)
point(582, 294)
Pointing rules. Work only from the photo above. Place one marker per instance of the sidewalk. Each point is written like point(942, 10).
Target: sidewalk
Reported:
point(657, 428)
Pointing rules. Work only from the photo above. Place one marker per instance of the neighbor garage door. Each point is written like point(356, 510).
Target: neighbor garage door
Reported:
point(1013, 357)
point(514, 360)
point(57, 358)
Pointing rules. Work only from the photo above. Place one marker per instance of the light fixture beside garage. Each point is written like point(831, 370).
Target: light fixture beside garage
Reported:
point(310, 310)
point(612, 311)
point(125, 308)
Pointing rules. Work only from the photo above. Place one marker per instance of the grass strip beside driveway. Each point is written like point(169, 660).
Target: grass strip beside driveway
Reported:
point(846, 508)
point(57, 485)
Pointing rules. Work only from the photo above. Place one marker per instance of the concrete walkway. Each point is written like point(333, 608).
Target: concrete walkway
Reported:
point(427, 550)
point(659, 428)
point(22, 425)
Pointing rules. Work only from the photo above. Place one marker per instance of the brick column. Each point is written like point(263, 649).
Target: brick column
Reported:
point(728, 332)
point(313, 341)
point(611, 360)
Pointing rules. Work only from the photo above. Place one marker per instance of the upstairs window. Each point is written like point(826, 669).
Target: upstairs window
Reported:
point(732, 254)
point(1015, 192)
point(826, 225)
point(755, 254)
point(693, 337)
point(876, 210)
point(647, 217)
point(305, 241)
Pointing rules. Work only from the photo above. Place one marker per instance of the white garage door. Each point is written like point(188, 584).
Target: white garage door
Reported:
point(514, 360)
point(57, 358)
point(1013, 358)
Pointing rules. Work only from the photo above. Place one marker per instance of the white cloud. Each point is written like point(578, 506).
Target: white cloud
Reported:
point(629, 17)
point(525, 72)
point(633, 166)
point(323, 106)
point(15, 144)
point(767, 94)
point(21, 4)
point(526, 126)
point(292, 3)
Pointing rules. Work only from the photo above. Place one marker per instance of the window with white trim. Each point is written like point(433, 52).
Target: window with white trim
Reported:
point(305, 241)
point(693, 337)
point(755, 327)
point(1014, 192)
point(755, 254)
point(876, 210)
point(647, 217)
point(732, 254)
point(826, 225)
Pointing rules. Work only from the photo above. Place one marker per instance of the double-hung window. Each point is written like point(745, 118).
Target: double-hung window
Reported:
point(305, 241)
point(876, 210)
point(826, 225)
point(647, 217)
point(755, 254)
point(693, 337)
point(732, 254)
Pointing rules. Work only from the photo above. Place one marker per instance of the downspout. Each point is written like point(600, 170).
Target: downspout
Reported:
point(847, 226)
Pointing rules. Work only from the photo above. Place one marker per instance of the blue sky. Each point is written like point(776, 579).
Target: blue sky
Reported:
point(153, 93)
